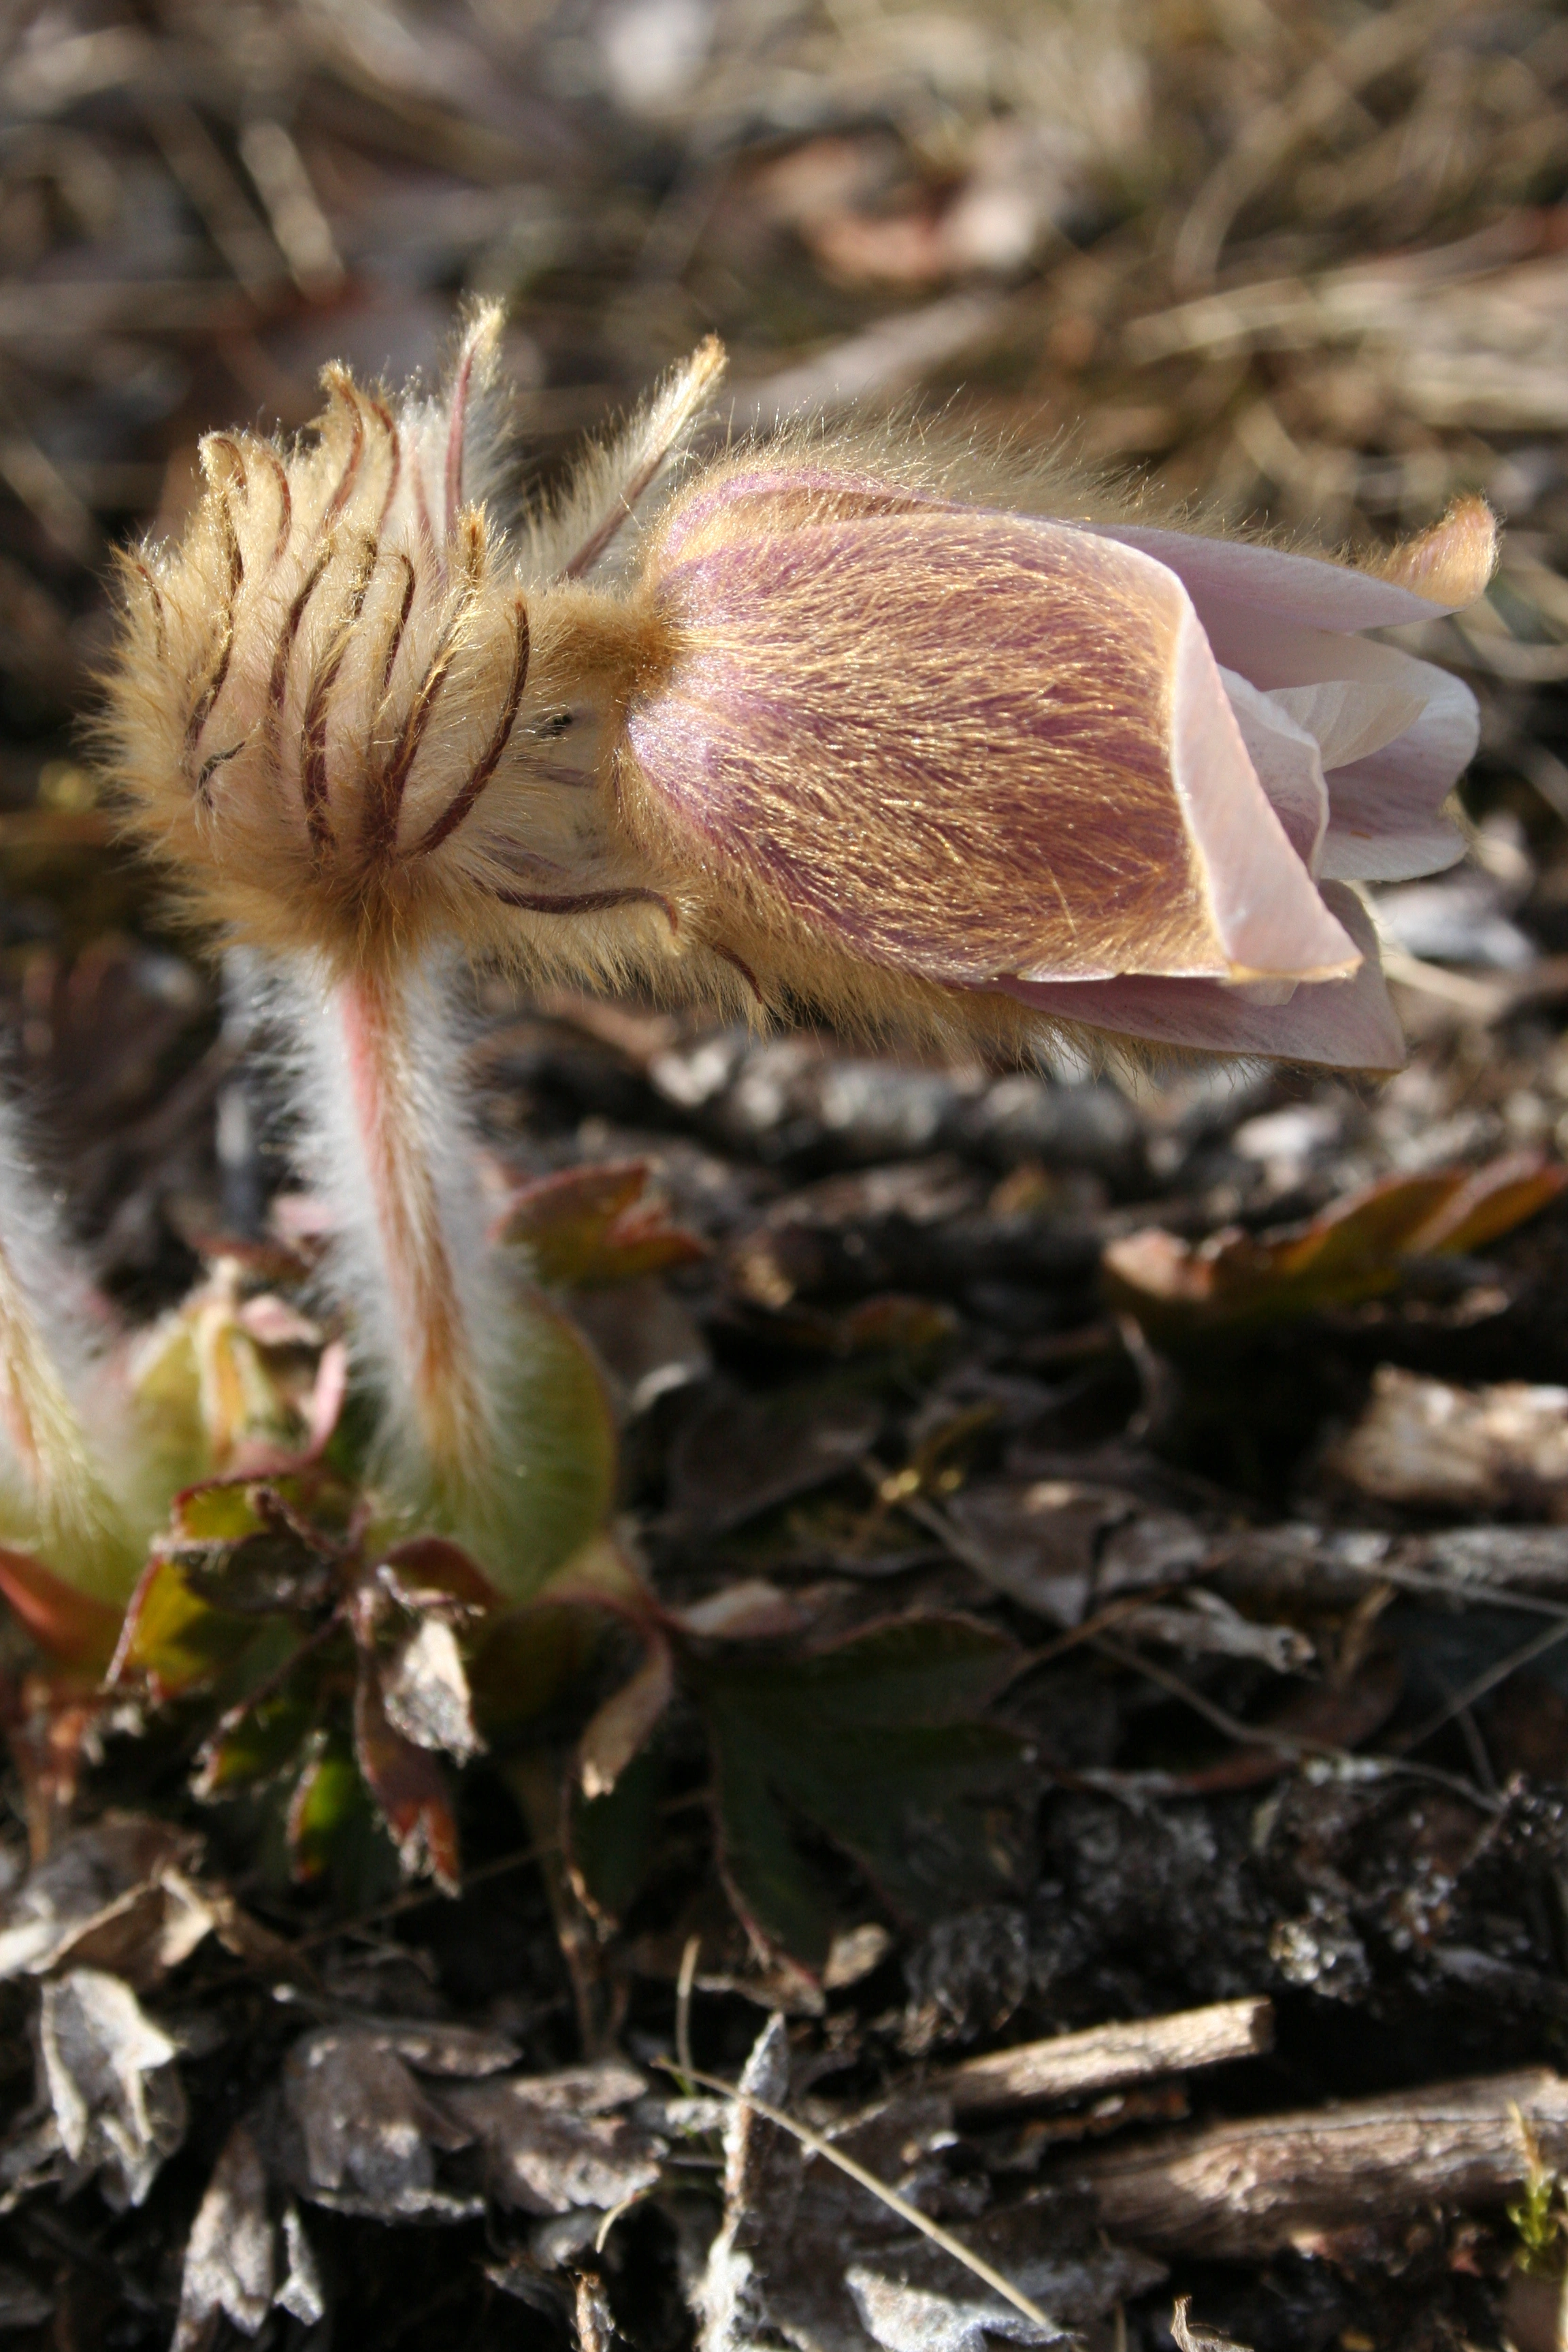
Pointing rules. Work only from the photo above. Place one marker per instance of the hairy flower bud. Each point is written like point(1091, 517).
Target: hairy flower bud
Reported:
point(318, 687)
point(845, 731)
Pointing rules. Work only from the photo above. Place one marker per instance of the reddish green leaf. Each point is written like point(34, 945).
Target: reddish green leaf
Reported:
point(528, 1659)
point(612, 1840)
point(873, 1744)
point(626, 1722)
point(71, 1626)
point(407, 1785)
point(1236, 1284)
point(174, 1640)
point(328, 1805)
point(589, 1227)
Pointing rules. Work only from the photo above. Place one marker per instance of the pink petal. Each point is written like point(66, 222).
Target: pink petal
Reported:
point(963, 743)
point(1349, 717)
point(1348, 1024)
point(1384, 821)
point(1305, 588)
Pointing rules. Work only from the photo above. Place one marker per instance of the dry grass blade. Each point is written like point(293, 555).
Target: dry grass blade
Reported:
point(973, 2263)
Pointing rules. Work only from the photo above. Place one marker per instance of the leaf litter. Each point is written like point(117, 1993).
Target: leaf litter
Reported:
point(1090, 1552)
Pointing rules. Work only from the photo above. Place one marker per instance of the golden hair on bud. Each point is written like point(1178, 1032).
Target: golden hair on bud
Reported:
point(318, 686)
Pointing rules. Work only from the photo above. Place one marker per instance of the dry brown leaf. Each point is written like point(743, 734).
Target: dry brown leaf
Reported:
point(114, 1894)
point(229, 2255)
point(554, 2144)
point(110, 2076)
point(365, 2136)
point(425, 1690)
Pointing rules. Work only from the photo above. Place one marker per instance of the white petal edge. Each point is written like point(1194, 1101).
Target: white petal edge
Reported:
point(1345, 1024)
point(1349, 717)
point(1384, 823)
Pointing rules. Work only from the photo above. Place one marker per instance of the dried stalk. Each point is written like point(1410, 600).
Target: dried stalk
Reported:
point(854, 2170)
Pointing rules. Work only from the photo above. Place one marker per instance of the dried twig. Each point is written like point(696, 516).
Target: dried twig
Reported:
point(1107, 2056)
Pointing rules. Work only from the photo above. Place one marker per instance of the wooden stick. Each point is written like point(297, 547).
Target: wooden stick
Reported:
point(1240, 2192)
point(1106, 2056)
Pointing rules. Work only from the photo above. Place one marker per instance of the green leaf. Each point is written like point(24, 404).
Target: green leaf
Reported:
point(257, 1746)
point(869, 1745)
point(240, 1551)
point(556, 1470)
point(316, 1502)
point(221, 1511)
point(330, 1810)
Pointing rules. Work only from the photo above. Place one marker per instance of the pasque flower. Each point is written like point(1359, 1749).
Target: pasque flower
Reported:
point(839, 725)
point(845, 729)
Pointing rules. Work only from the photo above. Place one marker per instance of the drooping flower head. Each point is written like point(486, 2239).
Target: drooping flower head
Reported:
point(833, 733)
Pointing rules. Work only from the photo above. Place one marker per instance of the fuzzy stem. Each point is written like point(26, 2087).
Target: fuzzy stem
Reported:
point(39, 1419)
point(421, 1278)
point(77, 1523)
point(388, 1140)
